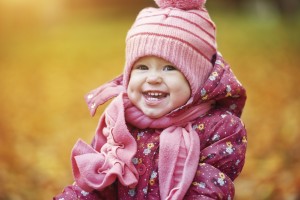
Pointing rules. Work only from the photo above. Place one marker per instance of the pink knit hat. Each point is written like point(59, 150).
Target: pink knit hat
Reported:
point(179, 31)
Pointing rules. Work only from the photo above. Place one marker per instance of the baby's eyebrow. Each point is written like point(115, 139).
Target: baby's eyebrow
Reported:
point(140, 63)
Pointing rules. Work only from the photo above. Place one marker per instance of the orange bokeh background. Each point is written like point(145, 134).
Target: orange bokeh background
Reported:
point(52, 52)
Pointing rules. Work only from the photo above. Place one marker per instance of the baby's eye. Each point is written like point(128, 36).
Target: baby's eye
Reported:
point(169, 68)
point(141, 67)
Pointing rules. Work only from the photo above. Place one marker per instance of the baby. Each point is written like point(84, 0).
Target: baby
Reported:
point(173, 130)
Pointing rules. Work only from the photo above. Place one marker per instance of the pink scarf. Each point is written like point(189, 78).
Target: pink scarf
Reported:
point(114, 147)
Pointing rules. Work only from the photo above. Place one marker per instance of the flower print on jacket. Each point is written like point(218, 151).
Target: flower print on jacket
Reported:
point(131, 192)
point(229, 148)
point(148, 149)
point(140, 134)
point(221, 180)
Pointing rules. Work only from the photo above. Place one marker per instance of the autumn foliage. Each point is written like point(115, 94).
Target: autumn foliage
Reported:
point(50, 56)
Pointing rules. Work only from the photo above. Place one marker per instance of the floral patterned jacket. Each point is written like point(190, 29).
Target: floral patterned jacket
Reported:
point(223, 143)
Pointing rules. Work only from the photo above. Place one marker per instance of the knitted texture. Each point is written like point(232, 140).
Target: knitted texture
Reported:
point(186, 38)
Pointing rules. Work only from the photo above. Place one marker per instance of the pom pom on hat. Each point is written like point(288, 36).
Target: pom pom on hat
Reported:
point(181, 4)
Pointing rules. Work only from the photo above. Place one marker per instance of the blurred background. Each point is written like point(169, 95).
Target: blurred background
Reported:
point(52, 52)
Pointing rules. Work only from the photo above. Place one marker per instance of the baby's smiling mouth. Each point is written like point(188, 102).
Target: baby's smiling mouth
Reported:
point(154, 95)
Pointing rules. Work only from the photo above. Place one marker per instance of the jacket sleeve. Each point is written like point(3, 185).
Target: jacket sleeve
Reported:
point(75, 192)
point(223, 146)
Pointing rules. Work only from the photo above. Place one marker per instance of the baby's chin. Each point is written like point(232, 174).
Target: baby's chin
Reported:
point(153, 114)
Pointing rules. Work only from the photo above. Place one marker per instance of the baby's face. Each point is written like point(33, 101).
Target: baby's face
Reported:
point(157, 87)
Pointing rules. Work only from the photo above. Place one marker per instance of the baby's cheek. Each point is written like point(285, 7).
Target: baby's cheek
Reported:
point(133, 96)
point(130, 94)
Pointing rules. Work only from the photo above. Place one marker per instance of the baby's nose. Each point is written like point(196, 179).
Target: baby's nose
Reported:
point(154, 78)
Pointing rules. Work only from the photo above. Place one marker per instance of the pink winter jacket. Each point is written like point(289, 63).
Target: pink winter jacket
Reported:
point(222, 148)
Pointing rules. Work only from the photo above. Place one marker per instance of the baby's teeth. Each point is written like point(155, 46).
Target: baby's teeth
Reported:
point(154, 94)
